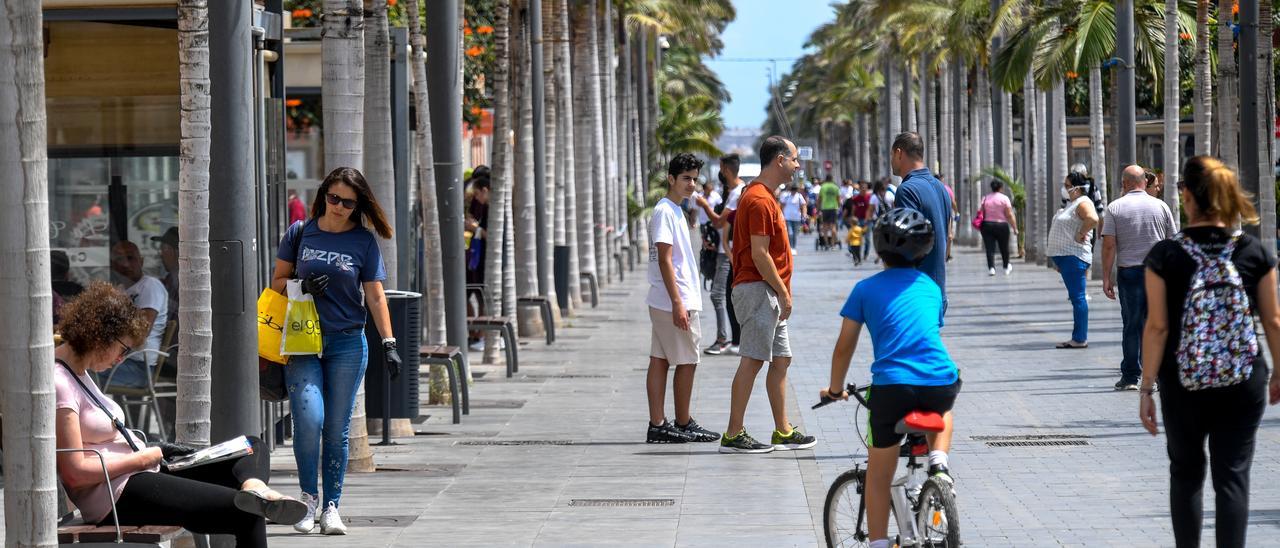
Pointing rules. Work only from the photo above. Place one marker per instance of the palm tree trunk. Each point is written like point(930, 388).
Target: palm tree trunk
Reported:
point(608, 96)
point(195, 307)
point(1060, 158)
point(583, 61)
point(1170, 98)
point(379, 167)
point(1097, 148)
point(342, 94)
point(1040, 159)
point(985, 118)
point(927, 110)
point(894, 91)
point(564, 108)
point(500, 171)
point(945, 150)
point(1266, 97)
point(595, 114)
point(1204, 82)
point(1031, 180)
point(433, 278)
point(555, 167)
point(909, 118)
point(508, 256)
point(1228, 84)
point(522, 202)
point(26, 307)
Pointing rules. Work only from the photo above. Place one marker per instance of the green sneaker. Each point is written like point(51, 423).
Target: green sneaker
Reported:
point(743, 443)
point(795, 440)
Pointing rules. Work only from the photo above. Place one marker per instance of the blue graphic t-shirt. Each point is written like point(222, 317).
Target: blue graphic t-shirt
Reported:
point(349, 258)
point(902, 308)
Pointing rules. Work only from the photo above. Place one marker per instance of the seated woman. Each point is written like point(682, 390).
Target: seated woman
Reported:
point(228, 497)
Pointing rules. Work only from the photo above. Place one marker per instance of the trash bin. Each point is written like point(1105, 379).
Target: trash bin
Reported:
point(406, 322)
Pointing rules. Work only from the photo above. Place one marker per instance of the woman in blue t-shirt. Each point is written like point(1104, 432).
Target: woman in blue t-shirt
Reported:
point(338, 261)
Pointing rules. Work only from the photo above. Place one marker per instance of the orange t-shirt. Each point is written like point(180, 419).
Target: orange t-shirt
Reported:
point(758, 214)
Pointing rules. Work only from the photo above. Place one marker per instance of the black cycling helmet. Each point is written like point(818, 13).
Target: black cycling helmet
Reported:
point(904, 232)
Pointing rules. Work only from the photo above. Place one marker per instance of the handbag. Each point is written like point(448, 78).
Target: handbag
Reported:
point(301, 324)
point(272, 309)
point(977, 218)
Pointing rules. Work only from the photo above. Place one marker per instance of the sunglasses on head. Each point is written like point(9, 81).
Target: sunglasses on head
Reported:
point(334, 199)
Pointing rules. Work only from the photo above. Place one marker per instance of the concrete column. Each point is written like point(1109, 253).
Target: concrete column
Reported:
point(1127, 147)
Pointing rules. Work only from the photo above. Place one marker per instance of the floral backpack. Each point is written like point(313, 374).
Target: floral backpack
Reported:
point(1218, 343)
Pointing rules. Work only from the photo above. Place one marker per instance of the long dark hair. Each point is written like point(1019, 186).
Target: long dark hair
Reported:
point(366, 205)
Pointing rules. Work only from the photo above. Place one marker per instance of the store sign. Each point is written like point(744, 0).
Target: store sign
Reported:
point(806, 153)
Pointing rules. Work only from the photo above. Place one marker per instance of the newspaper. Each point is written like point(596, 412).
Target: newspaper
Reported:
point(230, 449)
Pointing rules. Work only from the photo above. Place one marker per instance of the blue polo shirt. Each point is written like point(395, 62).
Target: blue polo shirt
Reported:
point(902, 307)
point(350, 259)
point(923, 192)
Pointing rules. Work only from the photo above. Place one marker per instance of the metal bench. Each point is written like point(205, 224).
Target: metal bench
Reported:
point(72, 530)
point(617, 258)
point(548, 316)
point(594, 285)
point(451, 358)
point(504, 327)
point(482, 291)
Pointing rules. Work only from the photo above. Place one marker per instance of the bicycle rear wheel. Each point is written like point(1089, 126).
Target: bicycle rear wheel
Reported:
point(937, 520)
point(844, 516)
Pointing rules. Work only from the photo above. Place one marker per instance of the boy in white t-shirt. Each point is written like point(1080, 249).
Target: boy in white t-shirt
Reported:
point(674, 300)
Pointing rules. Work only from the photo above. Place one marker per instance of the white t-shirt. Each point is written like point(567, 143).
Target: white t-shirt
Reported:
point(792, 206)
point(847, 191)
point(875, 203)
point(149, 292)
point(667, 226)
point(713, 200)
point(730, 205)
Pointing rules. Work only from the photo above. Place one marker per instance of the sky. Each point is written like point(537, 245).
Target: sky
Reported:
point(763, 29)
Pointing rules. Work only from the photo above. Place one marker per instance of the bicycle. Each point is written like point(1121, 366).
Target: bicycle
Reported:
point(924, 510)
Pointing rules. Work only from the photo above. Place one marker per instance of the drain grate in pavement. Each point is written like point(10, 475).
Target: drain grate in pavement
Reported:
point(380, 521)
point(1031, 437)
point(425, 470)
point(1039, 443)
point(621, 503)
point(497, 404)
point(514, 442)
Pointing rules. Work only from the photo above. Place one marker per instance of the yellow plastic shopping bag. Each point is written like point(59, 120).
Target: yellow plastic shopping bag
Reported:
point(272, 307)
point(301, 324)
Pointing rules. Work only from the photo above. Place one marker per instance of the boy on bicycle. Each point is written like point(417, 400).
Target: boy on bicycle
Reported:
point(902, 308)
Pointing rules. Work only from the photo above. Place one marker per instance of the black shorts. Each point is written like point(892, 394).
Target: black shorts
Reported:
point(829, 216)
point(889, 403)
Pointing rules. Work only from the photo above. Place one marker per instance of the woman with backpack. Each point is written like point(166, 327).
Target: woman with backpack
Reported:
point(1203, 287)
point(1070, 247)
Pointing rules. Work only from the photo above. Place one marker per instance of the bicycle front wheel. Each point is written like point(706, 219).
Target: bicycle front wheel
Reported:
point(937, 520)
point(844, 521)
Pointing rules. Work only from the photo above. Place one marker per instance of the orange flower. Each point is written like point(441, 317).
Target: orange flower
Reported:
point(466, 31)
point(391, 3)
point(302, 13)
point(475, 111)
point(1235, 8)
point(484, 29)
point(1184, 36)
point(293, 103)
point(1071, 75)
point(474, 51)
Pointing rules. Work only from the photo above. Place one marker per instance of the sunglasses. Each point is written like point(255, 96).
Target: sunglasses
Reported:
point(334, 199)
point(125, 352)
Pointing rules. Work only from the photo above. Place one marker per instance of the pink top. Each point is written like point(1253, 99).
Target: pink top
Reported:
point(993, 208)
point(96, 432)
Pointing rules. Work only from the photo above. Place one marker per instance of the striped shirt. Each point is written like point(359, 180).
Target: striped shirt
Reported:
point(1062, 234)
point(1137, 221)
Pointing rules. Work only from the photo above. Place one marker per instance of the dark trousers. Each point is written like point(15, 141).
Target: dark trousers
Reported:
point(199, 499)
point(734, 326)
point(1132, 285)
point(1228, 418)
point(995, 234)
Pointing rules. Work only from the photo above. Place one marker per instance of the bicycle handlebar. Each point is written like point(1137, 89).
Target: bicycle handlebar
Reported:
point(853, 390)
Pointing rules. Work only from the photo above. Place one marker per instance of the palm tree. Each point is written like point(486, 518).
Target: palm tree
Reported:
point(564, 108)
point(522, 198)
point(500, 174)
point(690, 124)
point(1228, 82)
point(379, 167)
point(595, 115)
point(583, 63)
point(26, 333)
point(195, 308)
point(1172, 93)
point(1203, 101)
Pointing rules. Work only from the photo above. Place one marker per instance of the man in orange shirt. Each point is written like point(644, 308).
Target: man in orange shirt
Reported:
point(762, 301)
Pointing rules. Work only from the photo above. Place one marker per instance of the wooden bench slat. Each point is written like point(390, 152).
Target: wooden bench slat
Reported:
point(104, 533)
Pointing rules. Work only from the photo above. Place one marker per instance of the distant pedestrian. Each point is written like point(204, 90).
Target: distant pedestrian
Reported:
point(721, 217)
point(1070, 247)
point(955, 216)
point(1155, 185)
point(1212, 374)
point(998, 224)
point(829, 211)
point(674, 300)
point(921, 191)
point(854, 238)
point(1132, 224)
point(297, 209)
point(762, 266)
point(794, 205)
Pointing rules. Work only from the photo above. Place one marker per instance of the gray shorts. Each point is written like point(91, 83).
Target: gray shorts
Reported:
point(764, 337)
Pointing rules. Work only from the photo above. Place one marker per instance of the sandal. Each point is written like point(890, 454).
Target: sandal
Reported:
point(284, 510)
point(1072, 345)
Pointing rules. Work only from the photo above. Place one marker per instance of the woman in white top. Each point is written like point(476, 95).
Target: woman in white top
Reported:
point(794, 205)
point(1070, 246)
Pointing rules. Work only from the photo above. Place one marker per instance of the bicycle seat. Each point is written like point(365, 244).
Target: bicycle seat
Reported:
point(919, 422)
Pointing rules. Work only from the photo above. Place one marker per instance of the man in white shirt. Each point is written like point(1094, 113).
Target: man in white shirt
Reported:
point(712, 196)
point(152, 300)
point(721, 288)
point(674, 300)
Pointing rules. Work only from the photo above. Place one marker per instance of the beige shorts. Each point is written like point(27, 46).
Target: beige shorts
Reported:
point(677, 346)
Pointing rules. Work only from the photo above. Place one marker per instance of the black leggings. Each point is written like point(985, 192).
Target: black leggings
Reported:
point(734, 327)
point(1229, 418)
point(994, 233)
point(199, 499)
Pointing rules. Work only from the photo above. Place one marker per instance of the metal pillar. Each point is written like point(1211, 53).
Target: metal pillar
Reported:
point(1250, 136)
point(232, 225)
point(542, 224)
point(401, 141)
point(444, 75)
point(1127, 122)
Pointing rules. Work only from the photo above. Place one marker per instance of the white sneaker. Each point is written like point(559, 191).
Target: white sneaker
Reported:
point(733, 349)
point(991, 272)
point(331, 522)
point(308, 522)
point(1008, 269)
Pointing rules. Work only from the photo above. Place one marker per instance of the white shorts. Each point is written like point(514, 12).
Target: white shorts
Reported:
point(677, 346)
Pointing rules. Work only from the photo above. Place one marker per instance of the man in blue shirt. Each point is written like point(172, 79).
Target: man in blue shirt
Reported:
point(902, 308)
point(921, 191)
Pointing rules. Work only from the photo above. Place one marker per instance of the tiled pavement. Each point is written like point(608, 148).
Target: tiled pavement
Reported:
point(588, 389)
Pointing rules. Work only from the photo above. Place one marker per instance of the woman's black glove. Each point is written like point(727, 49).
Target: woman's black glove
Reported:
point(172, 450)
point(315, 284)
point(392, 358)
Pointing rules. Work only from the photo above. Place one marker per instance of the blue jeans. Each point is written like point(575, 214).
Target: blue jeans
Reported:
point(793, 228)
point(1131, 282)
point(131, 373)
point(1073, 272)
point(322, 395)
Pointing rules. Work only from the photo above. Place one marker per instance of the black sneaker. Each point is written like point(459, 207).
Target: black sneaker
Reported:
point(743, 443)
point(1123, 385)
point(667, 433)
point(697, 432)
point(716, 348)
point(795, 440)
point(941, 472)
